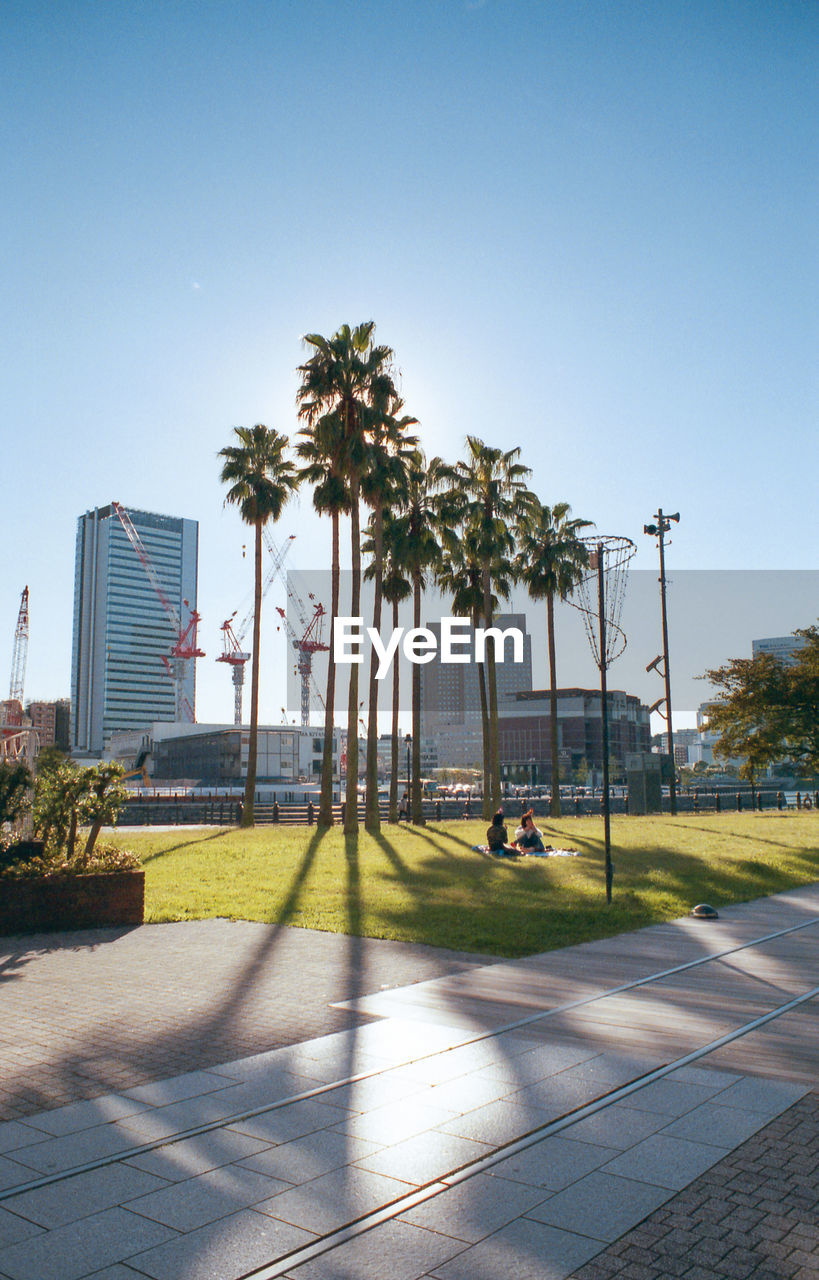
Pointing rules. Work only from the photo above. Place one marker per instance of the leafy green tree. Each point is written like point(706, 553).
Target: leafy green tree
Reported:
point(551, 561)
point(104, 794)
point(58, 793)
point(261, 481)
point(15, 790)
point(767, 709)
point(348, 376)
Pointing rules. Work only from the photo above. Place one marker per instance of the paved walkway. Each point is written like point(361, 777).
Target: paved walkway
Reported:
point(545, 1118)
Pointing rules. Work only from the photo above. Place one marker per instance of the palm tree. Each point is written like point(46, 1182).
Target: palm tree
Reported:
point(320, 447)
point(346, 375)
point(551, 561)
point(261, 481)
point(396, 587)
point(383, 485)
point(459, 574)
point(420, 530)
point(493, 495)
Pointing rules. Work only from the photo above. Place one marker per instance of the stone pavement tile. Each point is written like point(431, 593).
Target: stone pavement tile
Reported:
point(475, 1208)
point(14, 1229)
point(525, 1250)
point(197, 1201)
point(189, 1085)
point(189, 1113)
point(704, 1075)
point(119, 1271)
point(81, 1247)
point(395, 1250)
point(538, 1063)
point(58, 1154)
point(601, 1206)
point(469, 1093)
point(767, 1097)
point(425, 1157)
point(498, 1122)
point(309, 1157)
point(12, 1173)
point(85, 1115)
point(665, 1162)
point(610, 1069)
point(559, 1094)
point(291, 1121)
point(376, 1091)
point(671, 1097)
point(83, 1195)
point(400, 1041)
point(718, 1125)
point(618, 1125)
point(14, 1134)
point(553, 1163)
point(333, 1200)
point(225, 1249)
point(396, 1121)
point(192, 1156)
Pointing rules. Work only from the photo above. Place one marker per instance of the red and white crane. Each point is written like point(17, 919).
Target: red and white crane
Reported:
point(305, 645)
point(232, 637)
point(17, 742)
point(185, 647)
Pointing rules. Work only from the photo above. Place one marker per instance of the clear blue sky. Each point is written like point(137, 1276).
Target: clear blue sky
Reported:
point(588, 229)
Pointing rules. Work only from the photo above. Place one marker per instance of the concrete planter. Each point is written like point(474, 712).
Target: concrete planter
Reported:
point(71, 902)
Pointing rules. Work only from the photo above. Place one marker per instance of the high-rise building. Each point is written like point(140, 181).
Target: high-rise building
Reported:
point(122, 630)
point(784, 648)
point(450, 693)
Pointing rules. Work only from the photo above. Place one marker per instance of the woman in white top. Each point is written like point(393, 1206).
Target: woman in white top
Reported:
point(527, 837)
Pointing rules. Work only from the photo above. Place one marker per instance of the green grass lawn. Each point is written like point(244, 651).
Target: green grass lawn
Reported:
point(427, 885)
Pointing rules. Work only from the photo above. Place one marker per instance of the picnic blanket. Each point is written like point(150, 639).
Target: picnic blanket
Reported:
point(548, 852)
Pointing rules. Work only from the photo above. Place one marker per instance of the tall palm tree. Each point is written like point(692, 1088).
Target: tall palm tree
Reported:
point(383, 485)
point(459, 574)
point(551, 561)
point(493, 495)
point(420, 529)
point(319, 447)
point(261, 481)
point(346, 375)
point(396, 587)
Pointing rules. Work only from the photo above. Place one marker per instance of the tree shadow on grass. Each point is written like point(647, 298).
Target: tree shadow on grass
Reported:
point(734, 835)
point(185, 844)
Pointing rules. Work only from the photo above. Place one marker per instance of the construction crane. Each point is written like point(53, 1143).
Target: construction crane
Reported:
point(232, 652)
point(20, 652)
point(305, 645)
point(185, 646)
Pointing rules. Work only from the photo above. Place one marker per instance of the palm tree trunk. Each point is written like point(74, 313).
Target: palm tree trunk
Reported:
point(372, 820)
point(250, 783)
point(416, 810)
point(325, 816)
point(554, 809)
point(492, 691)
point(487, 799)
point(394, 746)
point(351, 815)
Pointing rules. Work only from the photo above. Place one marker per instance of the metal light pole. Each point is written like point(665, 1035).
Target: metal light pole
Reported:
point(601, 597)
point(409, 766)
point(659, 530)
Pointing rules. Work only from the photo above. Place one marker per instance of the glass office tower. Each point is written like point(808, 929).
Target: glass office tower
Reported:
point(121, 627)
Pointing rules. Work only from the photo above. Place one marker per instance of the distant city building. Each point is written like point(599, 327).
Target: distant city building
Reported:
point(784, 648)
point(686, 744)
point(451, 703)
point(216, 755)
point(121, 629)
point(525, 730)
point(43, 717)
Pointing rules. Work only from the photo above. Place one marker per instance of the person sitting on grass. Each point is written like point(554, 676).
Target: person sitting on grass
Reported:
point(527, 837)
point(497, 837)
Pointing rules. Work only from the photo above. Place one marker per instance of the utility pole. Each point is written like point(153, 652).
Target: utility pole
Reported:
point(659, 530)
